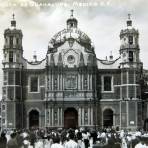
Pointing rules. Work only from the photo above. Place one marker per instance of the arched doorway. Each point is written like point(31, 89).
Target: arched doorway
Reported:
point(33, 118)
point(108, 118)
point(70, 118)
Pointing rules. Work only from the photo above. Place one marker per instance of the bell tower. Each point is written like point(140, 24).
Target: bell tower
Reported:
point(12, 76)
point(130, 76)
point(129, 49)
point(12, 50)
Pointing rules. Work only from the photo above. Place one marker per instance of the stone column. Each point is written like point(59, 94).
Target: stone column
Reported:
point(82, 82)
point(91, 116)
point(120, 114)
point(127, 111)
point(58, 81)
point(79, 117)
point(82, 116)
point(88, 82)
point(46, 117)
point(79, 81)
point(49, 117)
point(63, 84)
point(62, 117)
point(61, 79)
point(51, 81)
point(52, 117)
point(91, 81)
point(88, 115)
point(127, 81)
point(58, 117)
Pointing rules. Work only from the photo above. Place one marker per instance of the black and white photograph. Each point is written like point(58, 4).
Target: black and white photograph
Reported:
point(73, 74)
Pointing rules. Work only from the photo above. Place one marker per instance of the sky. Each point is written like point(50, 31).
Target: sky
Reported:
point(101, 20)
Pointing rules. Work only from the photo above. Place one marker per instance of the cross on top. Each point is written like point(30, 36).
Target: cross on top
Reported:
point(13, 22)
point(72, 12)
point(129, 16)
point(13, 16)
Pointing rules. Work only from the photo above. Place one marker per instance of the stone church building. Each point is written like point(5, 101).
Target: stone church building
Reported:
point(71, 87)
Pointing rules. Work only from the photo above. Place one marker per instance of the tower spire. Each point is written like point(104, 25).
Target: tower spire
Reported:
point(13, 21)
point(129, 21)
point(35, 56)
point(13, 16)
point(111, 56)
point(72, 12)
point(129, 16)
point(72, 22)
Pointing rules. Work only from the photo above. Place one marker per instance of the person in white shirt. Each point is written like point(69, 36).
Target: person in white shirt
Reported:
point(141, 144)
point(124, 144)
point(39, 144)
point(56, 143)
point(71, 143)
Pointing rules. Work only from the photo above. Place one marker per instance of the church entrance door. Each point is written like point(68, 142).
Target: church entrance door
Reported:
point(33, 119)
point(70, 118)
point(108, 118)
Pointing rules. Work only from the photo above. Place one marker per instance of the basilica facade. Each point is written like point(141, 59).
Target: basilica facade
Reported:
point(71, 87)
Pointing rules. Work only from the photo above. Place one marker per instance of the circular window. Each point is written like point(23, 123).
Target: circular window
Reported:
point(71, 59)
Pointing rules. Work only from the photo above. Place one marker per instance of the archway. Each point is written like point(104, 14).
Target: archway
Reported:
point(33, 118)
point(108, 118)
point(70, 118)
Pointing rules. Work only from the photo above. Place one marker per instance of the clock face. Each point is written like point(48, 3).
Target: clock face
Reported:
point(71, 59)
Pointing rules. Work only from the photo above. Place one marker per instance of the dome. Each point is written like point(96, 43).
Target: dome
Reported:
point(74, 33)
point(71, 31)
point(72, 20)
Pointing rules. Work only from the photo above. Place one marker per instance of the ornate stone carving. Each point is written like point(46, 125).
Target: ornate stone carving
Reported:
point(71, 81)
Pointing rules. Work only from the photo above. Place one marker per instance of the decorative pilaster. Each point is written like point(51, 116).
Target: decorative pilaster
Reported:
point(79, 117)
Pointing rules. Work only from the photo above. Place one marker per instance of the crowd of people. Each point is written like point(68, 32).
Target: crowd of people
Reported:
point(70, 138)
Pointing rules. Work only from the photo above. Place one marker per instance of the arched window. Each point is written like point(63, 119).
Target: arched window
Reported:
point(10, 56)
point(17, 41)
point(130, 40)
point(11, 41)
point(130, 56)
